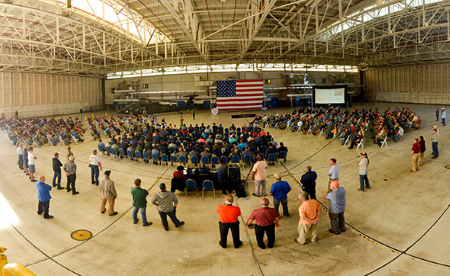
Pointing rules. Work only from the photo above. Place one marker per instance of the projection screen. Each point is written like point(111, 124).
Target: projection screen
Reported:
point(329, 95)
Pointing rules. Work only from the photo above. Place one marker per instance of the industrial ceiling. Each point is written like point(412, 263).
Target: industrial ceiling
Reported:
point(96, 37)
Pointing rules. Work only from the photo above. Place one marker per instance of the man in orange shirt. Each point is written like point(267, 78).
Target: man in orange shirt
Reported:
point(229, 218)
point(309, 215)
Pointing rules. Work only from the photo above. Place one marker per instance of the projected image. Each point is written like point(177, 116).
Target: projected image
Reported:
point(329, 95)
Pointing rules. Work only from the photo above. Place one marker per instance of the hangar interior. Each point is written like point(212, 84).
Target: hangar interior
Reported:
point(79, 58)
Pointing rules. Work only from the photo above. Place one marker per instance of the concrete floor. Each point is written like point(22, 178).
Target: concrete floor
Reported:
point(402, 211)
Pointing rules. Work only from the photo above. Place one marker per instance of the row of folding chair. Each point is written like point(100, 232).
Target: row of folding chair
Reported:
point(207, 185)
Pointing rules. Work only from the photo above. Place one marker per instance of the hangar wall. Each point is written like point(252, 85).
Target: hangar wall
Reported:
point(34, 94)
point(187, 81)
point(426, 84)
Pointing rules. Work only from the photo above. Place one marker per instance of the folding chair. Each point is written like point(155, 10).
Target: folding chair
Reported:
point(208, 185)
point(190, 185)
point(384, 144)
point(165, 158)
point(361, 143)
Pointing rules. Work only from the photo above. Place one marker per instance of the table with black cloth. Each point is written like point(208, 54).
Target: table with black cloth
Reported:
point(200, 177)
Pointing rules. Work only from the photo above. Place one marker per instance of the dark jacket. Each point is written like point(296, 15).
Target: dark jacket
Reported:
point(57, 165)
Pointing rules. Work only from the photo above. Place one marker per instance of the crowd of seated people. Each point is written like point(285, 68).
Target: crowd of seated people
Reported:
point(348, 126)
point(140, 138)
point(40, 131)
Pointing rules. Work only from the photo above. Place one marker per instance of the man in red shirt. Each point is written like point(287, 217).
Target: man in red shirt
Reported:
point(265, 218)
point(229, 218)
point(415, 153)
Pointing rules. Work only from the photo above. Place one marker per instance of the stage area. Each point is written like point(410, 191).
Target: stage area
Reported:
point(398, 227)
point(239, 116)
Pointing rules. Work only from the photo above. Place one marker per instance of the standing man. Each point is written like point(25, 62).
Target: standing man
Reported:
point(43, 194)
point(308, 182)
point(279, 191)
point(193, 112)
point(336, 208)
point(69, 153)
point(415, 152)
point(71, 172)
point(309, 216)
point(167, 204)
point(31, 163)
point(266, 219)
point(19, 151)
point(434, 143)
point(181, 121)
point(443, 116)
point(139, 203)
point(25, 159)
point(95, 166)
point(108, 194)
point(259, 175)
point(333, 173)
point(222, 175)
point(229, 219)
point(57, 171)
point(422, 150)
point(363, 165)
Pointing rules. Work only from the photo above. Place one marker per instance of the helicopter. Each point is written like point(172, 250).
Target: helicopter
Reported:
point(147, 106)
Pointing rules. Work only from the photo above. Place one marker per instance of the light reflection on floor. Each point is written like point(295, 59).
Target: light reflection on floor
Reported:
point(8, 215)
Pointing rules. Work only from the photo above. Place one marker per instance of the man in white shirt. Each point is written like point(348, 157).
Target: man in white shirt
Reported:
point(363, 165)
point(31, 163)
point(96, 167)
point(19, 154)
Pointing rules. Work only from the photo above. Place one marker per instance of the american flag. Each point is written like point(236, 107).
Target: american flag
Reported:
point(239, 94)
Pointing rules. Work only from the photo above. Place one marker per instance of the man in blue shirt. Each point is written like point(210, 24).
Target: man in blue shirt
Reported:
point(336, 207)
point(242, 145)
point(43, 194)
point(333, 173)
point(279, 191)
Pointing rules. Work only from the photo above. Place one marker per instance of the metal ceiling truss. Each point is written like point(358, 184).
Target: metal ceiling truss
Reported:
point(45, 35)
point(393, 38)
point(54, 42)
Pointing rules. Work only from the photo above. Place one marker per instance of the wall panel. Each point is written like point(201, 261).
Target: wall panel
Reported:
point(425, 83)
point(33, 94)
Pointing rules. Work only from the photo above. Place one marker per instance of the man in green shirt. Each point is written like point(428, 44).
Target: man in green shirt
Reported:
point(139, 203)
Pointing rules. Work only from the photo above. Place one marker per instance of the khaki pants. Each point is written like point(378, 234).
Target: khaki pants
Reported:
point(304, 229)
point(421, 158)
point(110, 205)
point(329, 182)
point(415, 162)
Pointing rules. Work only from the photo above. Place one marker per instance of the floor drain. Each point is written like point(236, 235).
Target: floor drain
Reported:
point(81, 235)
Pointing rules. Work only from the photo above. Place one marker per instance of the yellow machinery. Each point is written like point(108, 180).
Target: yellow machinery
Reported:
point(12, 269)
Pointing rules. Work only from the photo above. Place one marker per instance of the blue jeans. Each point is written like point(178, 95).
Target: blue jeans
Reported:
point(363, 178)
point(434, 145)
point(57, 175)
point(276, 204)
point(143, 214)
point(443, 121)
point(94, 174)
